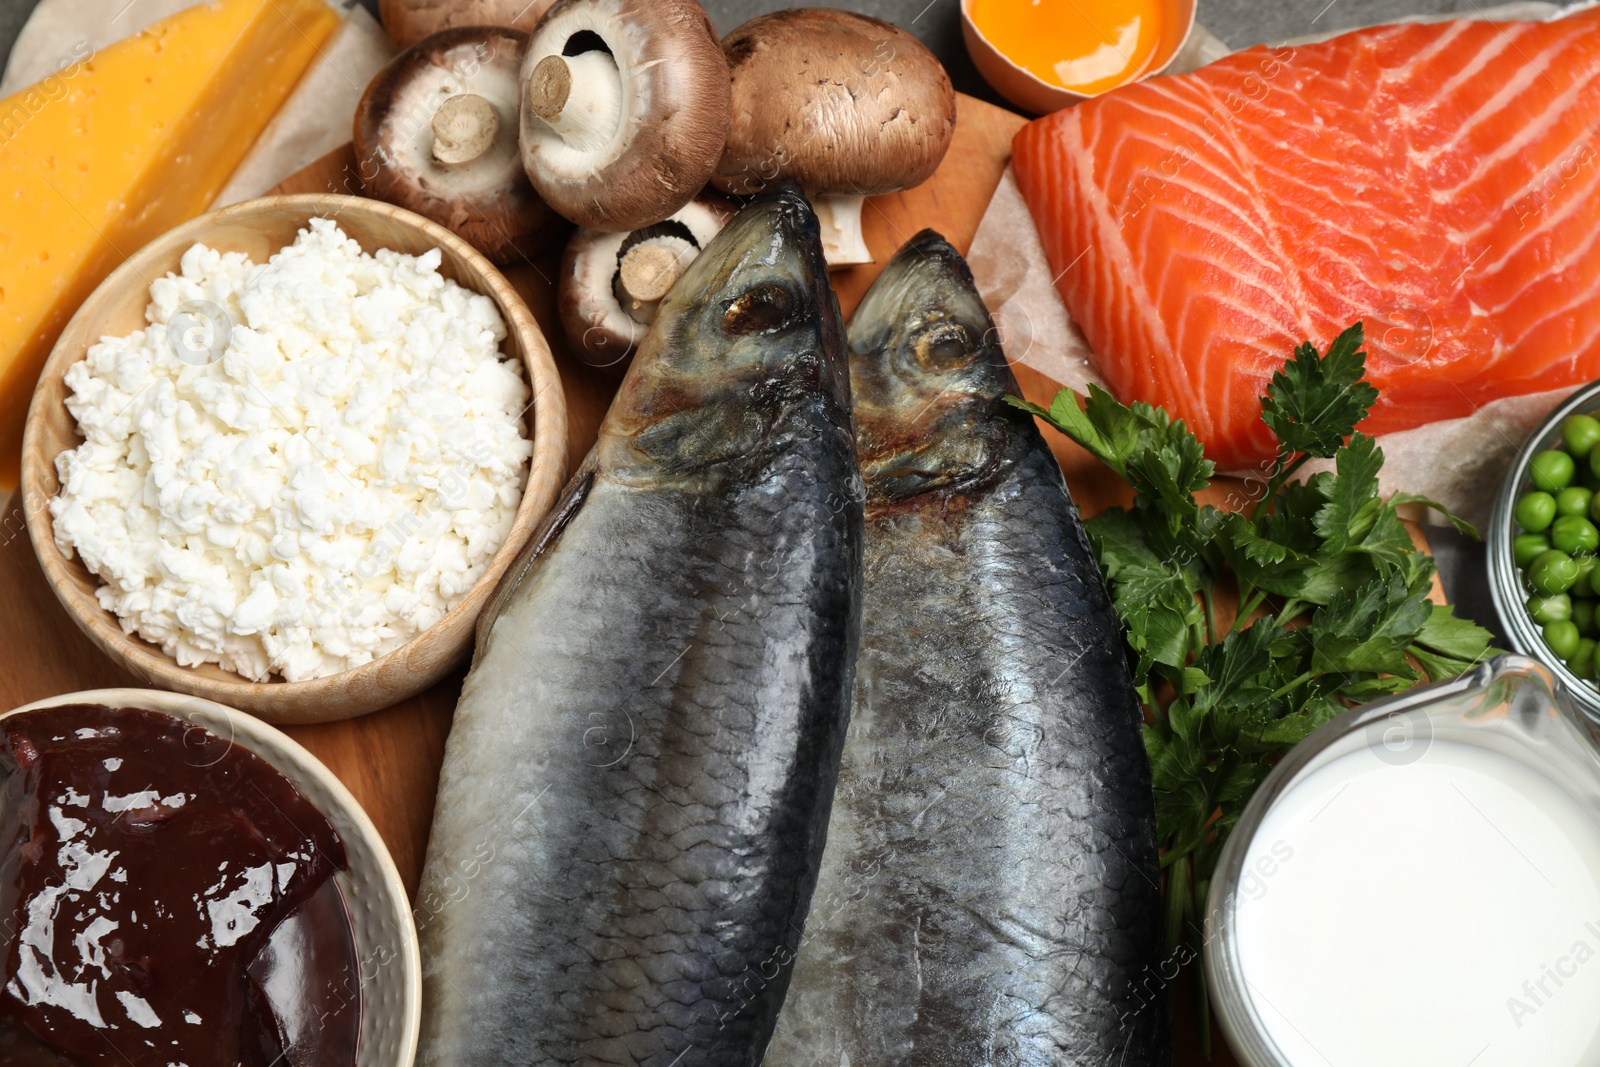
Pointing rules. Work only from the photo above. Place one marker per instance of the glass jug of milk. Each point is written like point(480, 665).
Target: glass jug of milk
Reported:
point(1418, 883)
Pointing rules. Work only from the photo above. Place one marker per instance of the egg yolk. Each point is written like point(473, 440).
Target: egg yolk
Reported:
point(1087, 46)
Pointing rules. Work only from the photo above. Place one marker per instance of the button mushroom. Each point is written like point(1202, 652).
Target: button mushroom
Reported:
point(409, 21)
point(624, 110)
point(611, 283)
point(849, 106)
point(436, 133)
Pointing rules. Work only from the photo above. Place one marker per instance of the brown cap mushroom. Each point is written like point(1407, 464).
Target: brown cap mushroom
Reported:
point(436, 133)
point(409, 21)
point(849, 106)
point(611, 283)
point(624, 109)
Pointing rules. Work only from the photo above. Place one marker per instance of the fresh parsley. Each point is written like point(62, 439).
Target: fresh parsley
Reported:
point(1329, 597)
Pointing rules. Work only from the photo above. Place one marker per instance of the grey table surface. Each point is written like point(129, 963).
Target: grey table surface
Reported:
point(1238, 22)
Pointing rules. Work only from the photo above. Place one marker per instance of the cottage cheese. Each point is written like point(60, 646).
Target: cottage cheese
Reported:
point(325, 481)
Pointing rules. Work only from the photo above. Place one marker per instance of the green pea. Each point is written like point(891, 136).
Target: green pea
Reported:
point(1581, 662)
point(1543, 609)
point(1574, 535)
point(1583, 615)
point(1551, 470)
point(1584, 586)
point(1574, 500)
point(1580, 433)
point(1562, 637)
point(1527, 546)
point(1552, 572)
point(1535, 511)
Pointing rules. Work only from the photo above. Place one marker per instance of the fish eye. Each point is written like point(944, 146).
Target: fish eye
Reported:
point(942, 347)
point(762, 309)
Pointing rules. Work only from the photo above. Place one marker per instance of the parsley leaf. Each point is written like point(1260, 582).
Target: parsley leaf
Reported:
point(1315, 402)
point(1447, 645)
point(1352, 505)
point(1366, 629)
point(1462, 525)
point(1330, 596)
point(1102, 426)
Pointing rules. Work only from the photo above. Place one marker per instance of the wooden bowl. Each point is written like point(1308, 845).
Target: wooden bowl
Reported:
point(380, 911)
point(260, 228)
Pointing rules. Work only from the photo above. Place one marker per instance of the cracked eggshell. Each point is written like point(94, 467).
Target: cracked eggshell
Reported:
point(487, 201)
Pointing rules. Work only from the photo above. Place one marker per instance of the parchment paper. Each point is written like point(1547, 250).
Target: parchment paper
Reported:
point(314, 121)
point(1458, 462)
point(319, 115)
point(59, 29)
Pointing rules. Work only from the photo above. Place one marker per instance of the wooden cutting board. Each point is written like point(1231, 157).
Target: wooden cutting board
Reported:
point(390, 759)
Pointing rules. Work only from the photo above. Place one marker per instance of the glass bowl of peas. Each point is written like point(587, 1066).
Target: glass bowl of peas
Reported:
point(1544, 547)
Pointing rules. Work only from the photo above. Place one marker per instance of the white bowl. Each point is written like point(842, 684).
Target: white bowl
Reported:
point(1031, 93)
point(380, 912)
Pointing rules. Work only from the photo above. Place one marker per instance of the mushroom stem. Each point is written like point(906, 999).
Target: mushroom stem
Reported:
point(463, 129)
point(579, 97)
point(840, 218)
point(647, 273)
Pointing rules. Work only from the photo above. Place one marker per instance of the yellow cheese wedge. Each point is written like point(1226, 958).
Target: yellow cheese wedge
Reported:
point(117, 148)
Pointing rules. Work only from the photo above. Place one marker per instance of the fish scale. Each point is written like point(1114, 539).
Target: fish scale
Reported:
point(989, 895)
point(661, 690)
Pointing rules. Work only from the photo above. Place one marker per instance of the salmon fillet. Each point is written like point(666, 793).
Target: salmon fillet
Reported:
point(1438, 182)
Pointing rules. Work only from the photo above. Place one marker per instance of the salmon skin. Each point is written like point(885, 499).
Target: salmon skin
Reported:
point(636, 786)
point(988, 896)
point(1440, 183)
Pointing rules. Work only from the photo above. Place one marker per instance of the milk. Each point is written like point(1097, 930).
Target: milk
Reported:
point(1442, 909)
